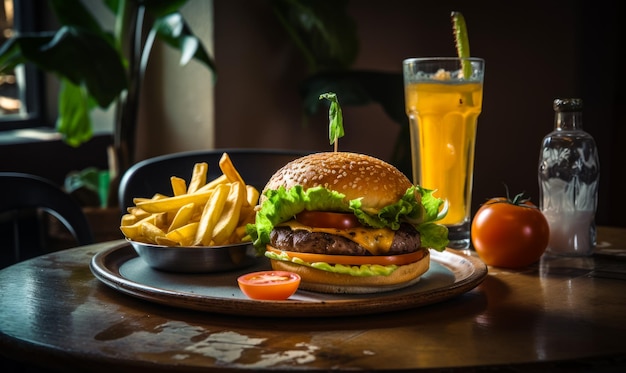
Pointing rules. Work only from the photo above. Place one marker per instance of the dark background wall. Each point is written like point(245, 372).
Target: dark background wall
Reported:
point(535, 51)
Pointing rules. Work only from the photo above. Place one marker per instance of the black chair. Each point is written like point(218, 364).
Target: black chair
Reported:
point(22, 197)
point(152, 175)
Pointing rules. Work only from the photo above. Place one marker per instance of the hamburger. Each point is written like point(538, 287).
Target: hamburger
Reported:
point(347, 223)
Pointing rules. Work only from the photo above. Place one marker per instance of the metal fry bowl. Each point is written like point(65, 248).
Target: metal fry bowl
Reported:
point(196, 259)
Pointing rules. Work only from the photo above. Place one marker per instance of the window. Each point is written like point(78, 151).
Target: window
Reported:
point(20, 90)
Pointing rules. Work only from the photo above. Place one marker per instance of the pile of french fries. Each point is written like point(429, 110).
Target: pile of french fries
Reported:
point(213, 213)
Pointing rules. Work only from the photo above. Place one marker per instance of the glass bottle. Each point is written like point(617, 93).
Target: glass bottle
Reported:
point(569, 172)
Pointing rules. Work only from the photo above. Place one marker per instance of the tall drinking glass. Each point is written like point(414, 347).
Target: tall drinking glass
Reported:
point(443, 100)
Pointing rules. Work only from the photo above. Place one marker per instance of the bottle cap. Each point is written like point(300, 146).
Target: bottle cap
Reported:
point(567, 104)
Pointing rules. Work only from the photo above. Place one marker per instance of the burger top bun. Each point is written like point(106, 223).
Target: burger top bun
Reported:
point(376, 182)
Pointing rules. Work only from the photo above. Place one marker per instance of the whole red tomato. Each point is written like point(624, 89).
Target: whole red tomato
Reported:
point(509, 233)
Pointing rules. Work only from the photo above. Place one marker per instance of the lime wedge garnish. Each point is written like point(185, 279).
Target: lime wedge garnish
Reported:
point(462, 42)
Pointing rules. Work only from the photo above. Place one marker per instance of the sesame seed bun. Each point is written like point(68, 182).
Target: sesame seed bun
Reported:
point(376, 182)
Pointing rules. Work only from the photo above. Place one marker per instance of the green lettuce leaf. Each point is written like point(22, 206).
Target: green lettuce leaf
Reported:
point(434, 236)
point(282, 205)
point(363, 270)
point(418, 207)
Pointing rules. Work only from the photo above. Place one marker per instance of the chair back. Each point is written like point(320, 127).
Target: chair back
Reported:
point(23, 192)
point(152, 175)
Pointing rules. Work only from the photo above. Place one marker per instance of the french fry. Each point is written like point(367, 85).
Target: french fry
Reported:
point(128, 219)
point(164, 241)
point(162, 219)
point(222, 179)
point(238, 234)
point(174, 203)
point(198, 177)
point(182, 217)
point(179, 185)
point(139, 213)
point(252, 195)
point(230, 214)
point(151, 231)
point(154, 198)
point(185, 235)
point(133, 231)
point(247, 216)
point(210, 215)
point(227, 167)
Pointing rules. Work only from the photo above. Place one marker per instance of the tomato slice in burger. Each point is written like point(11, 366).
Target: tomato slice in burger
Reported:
point(326, 219)
point(400, 259)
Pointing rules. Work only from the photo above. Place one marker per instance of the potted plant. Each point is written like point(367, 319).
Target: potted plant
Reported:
point(99, 68)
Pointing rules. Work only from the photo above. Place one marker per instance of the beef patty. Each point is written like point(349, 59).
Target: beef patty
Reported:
point(406, 240)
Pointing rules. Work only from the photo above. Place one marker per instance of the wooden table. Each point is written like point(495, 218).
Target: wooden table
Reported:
point(563, 314)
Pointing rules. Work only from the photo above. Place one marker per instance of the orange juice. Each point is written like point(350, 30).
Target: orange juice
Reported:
point(443, 118)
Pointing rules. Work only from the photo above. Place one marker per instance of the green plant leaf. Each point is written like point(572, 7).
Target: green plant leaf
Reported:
point(15, 50)
point(160, 8)
point(86, 178)
point(74, 122)
point(75, 54)
point(90, 61)
point(85, 58)
point(173, 30)
point(322, 30)
point(74, 13)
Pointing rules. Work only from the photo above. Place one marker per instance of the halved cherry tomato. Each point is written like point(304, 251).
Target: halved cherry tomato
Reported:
point(326, 219)
point(269, 285)
point(509, 233)
point(400, 259)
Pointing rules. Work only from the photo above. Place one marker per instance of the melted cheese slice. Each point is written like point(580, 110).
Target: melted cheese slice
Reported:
point(375, 240)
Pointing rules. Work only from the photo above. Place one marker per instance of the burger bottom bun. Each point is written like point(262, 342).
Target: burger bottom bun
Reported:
point(336, 283)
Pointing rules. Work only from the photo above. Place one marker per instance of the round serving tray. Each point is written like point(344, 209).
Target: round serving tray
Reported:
point(451, 273)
